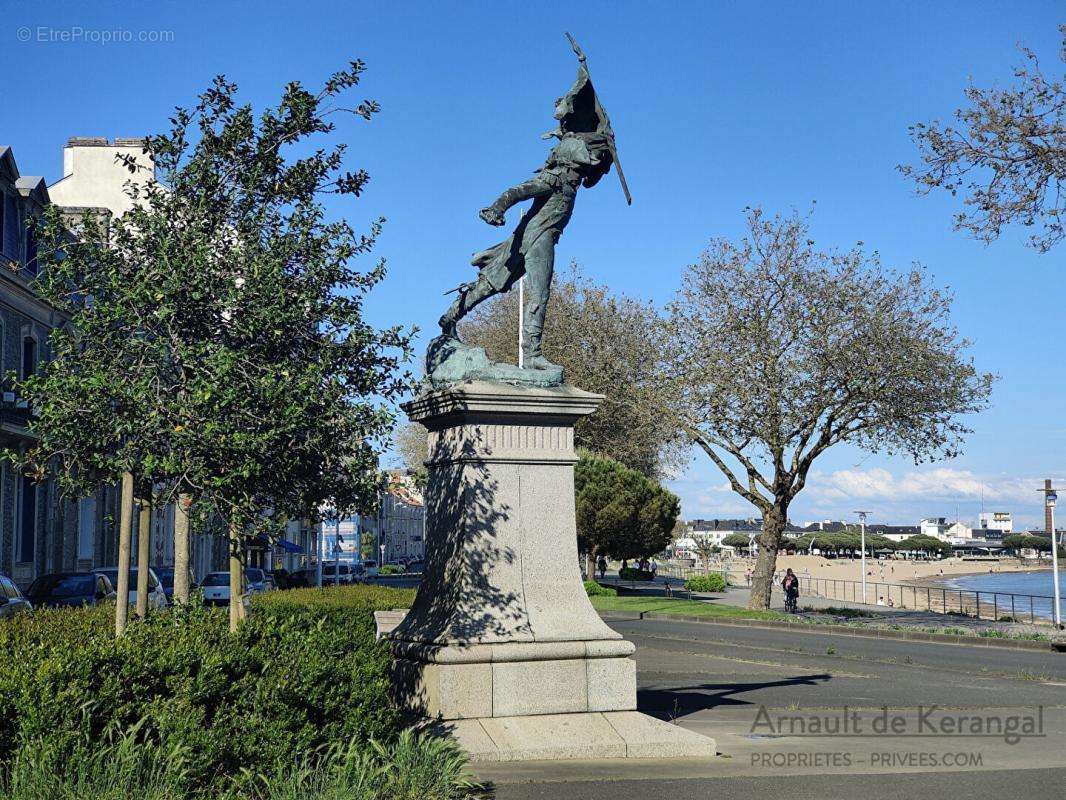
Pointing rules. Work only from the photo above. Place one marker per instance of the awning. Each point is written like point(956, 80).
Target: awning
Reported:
point(278, 544)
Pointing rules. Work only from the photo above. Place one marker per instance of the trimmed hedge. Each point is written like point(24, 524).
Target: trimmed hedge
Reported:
point(712, 582)
point(593, 589)
point(632, 574)
point(304, 672)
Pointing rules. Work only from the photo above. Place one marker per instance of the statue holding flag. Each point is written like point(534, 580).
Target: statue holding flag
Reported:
point(584, 153)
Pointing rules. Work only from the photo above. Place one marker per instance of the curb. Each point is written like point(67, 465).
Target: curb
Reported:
point(842, 630)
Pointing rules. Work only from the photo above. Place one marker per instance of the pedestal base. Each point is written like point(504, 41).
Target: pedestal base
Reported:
point(554, 737)
point(502, 648)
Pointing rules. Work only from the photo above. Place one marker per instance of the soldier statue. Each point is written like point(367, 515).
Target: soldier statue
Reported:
point(583, 154)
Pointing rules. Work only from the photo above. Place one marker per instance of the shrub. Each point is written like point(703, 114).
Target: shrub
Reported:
point(390, 569)
point(712, 582)
point(409, 768)
point(593, 589)
point(632, 574)
point(302, 673)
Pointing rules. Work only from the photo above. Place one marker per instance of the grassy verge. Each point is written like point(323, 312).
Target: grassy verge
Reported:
point(679, 607)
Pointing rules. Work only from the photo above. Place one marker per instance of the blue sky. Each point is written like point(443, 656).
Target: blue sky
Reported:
point(717, 106)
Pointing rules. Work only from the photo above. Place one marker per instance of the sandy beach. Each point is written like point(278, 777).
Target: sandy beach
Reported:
point(920, 573)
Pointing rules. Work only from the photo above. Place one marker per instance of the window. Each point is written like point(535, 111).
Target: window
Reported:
point(86, 527)
point(29, 356)
point(31, 247)
point(27, 528)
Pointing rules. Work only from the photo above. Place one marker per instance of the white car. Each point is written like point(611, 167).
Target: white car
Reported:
point(157, 598)
point(215, 589)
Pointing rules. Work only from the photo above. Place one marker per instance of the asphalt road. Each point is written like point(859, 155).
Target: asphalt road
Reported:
point(726, 682)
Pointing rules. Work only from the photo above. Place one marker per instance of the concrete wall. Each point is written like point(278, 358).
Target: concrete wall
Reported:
point(94, 178)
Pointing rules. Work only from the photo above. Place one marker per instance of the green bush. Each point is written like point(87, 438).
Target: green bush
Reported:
point(632, 574)
point(593, 589)
point(302, 673)
point(712, 582)
point(122, 767)
point(390, 569)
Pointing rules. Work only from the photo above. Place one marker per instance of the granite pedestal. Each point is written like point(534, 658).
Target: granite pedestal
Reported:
point(502, 647)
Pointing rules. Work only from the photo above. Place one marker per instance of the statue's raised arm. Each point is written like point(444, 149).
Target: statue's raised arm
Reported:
point(583, 154)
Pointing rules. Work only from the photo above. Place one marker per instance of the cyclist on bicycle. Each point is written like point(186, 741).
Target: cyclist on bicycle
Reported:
point(791, 586)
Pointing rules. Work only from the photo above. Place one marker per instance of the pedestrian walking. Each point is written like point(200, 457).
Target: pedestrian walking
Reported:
point(601, 566)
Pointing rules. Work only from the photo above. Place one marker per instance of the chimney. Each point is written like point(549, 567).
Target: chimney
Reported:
point(1047, 510)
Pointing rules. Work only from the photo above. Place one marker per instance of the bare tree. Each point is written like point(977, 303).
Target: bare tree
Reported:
point(776, 351)
point(1006, 155)
point(411, 443)
point(602, 341)
point(705, 549)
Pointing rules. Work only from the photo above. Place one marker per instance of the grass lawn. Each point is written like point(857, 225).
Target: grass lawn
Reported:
point(687, 608)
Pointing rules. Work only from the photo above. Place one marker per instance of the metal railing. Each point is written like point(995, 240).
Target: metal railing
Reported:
point(997, 606)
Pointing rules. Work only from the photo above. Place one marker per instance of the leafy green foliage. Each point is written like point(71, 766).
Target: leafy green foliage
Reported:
point(738, 540)
point(1025, 541)
point(634, 574)
point(620, 512)
point(712, 582)
point(411, 767)
point(304, 673)
point(594, 589)
point(217, 345)
point(926, 544)
point(390, 569)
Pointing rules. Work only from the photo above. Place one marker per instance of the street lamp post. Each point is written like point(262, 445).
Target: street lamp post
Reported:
point(1050, 496)
point(862, 544)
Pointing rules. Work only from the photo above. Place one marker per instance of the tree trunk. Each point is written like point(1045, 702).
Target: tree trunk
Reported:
point(144, 543)
point(590, 564)
point(125, 541)
point(236, 580)
point(181, 550)
point(773, 526)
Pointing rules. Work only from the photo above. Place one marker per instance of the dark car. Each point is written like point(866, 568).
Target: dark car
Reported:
point(12, 601)
point(59, 589)
point(166, 580)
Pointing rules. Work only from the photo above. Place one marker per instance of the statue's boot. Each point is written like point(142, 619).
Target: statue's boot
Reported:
point(535, 360)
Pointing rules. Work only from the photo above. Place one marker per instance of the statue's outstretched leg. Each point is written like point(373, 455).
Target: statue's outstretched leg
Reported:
point(540, 263)
point(468, 298)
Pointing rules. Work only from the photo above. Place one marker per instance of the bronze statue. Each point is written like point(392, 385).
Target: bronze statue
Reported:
point(582, 156)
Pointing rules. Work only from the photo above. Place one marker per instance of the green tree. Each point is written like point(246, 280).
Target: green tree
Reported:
point(776, 351)
point(925, 544)
point(605, 345)
point(737, 540)
point(621, 513)
point(1005, 154)
point(217, 346)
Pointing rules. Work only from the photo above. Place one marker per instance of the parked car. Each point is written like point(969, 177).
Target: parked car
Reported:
point(12, 601)
point(166, 579)
point(59, 589)
point(215, 586)
point(157, 598)
point(215, 589)
point(416, 567)
point(255, 580)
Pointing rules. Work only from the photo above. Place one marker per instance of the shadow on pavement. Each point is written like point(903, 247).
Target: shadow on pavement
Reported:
point(669, 704)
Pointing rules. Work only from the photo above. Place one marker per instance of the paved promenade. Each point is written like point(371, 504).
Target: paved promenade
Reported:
point(727, 681)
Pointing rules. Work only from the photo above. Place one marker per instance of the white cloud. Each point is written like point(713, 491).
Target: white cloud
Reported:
point(940, 483)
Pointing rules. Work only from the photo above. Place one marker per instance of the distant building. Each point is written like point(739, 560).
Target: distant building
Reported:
point(399, 525)
point(895, 533)
point(996, 520)
point(937, 527)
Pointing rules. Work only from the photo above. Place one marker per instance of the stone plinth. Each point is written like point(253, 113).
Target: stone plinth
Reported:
point(502, 635)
